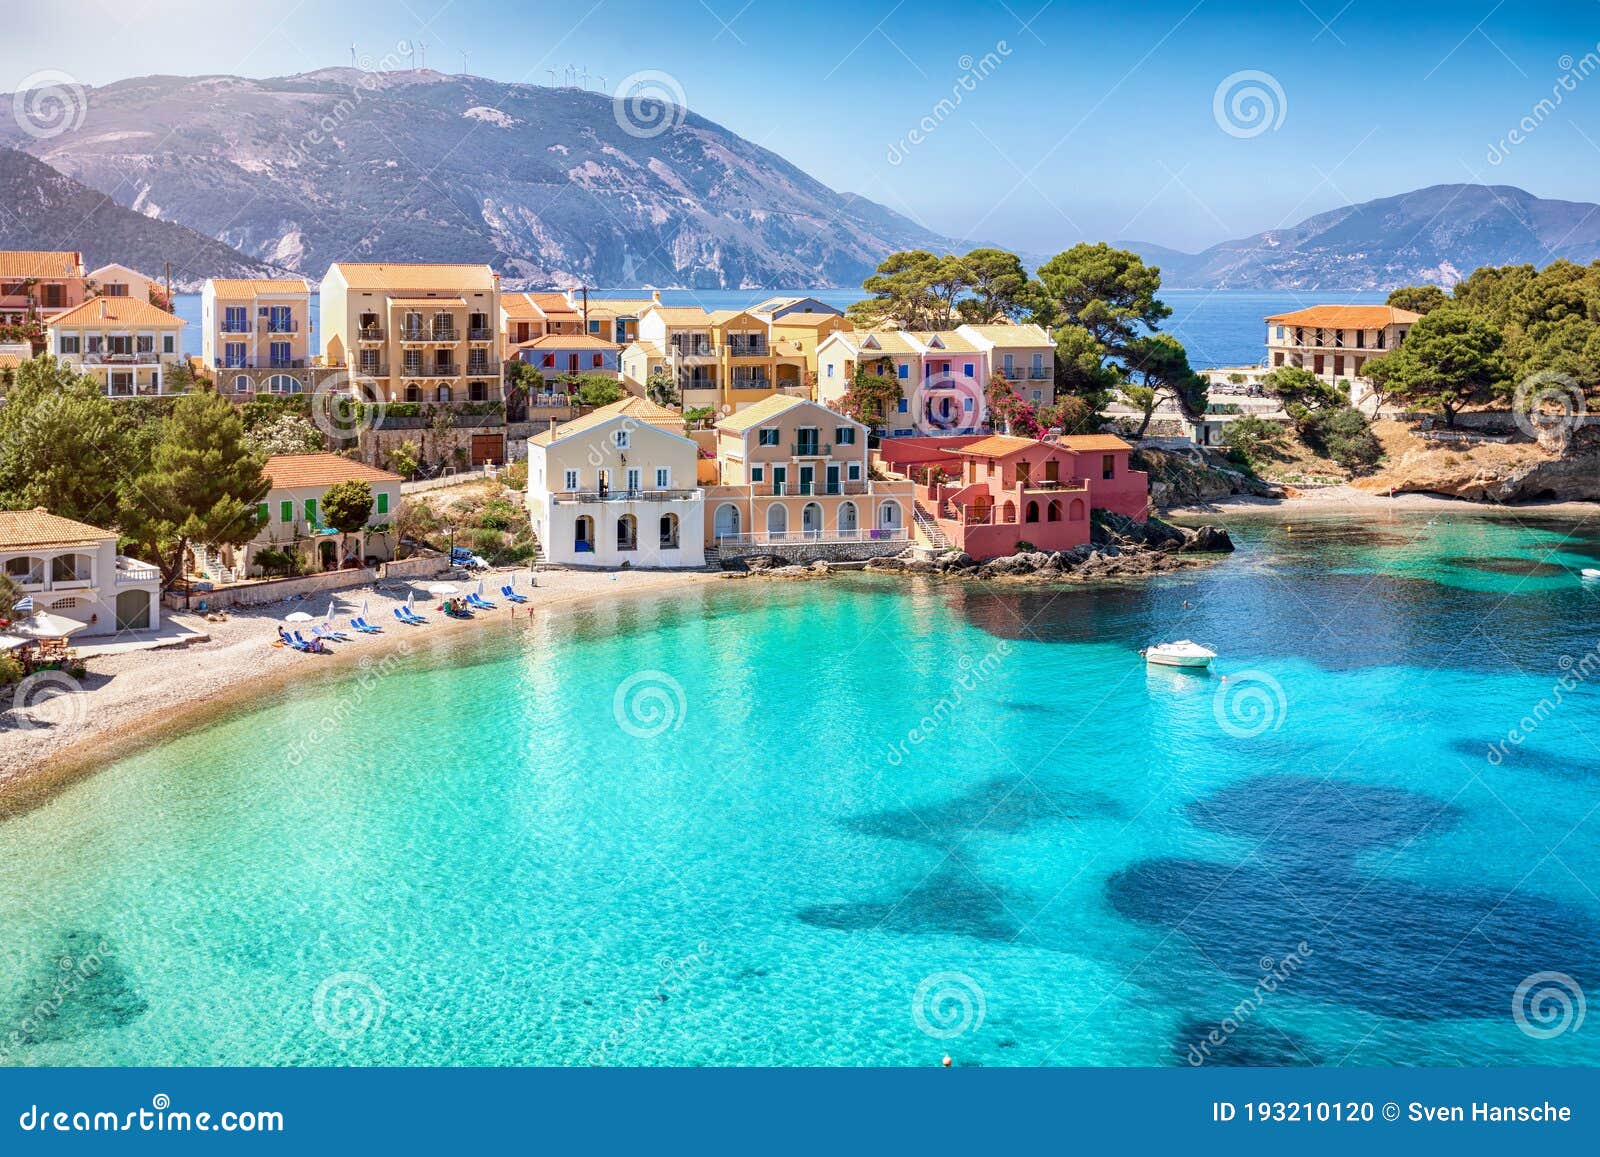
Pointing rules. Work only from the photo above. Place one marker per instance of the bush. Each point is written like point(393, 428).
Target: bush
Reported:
point(275, 561)
point(1344, 434)
point(1251, 438)
point(516, 475)
point(10, 670)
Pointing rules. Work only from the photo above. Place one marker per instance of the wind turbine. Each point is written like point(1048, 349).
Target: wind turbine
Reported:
point(466, 55)
point(552, 73)
point(422, 45)
point(353, 62)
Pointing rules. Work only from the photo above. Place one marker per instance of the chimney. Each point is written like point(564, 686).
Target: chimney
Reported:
point(655, 296)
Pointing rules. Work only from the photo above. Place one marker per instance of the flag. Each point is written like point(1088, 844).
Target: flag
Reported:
point(25, 605)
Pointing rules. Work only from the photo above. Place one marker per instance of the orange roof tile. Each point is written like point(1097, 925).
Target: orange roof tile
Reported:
point(995, 446)
point(551, 303)
point(413, 275)
point(117, 311)
point(1091, 442)
point(40, 263)
point(567, 341)
point(232, 287)
point(1347, 316)
point(286, 471)
point(21, 529)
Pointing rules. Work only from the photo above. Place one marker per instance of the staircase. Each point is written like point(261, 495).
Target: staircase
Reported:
point(210, 565)
point(928, 528)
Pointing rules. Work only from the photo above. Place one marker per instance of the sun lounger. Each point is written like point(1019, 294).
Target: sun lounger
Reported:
point(482, 604)
point(513, 595)
point(327, 632)
point(360, 624)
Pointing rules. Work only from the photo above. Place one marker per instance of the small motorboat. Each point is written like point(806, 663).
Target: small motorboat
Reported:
point(1183, 653)
point(1591, 574)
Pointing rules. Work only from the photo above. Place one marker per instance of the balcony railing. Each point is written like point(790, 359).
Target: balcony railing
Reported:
point(130, 570)
point(101, 358)
point(816, 537)
point(291, 325)
point(433, 371)
point(1025, 373)
point(807, 489)
point(694, 349)
point(258, 363)
point(811, 449)
point(480, 333)
point(425, 335)
point(748, 349)
point(370, 333)
point(754, 382)
point(237, 326)
point(371, 371)
point(624, 495)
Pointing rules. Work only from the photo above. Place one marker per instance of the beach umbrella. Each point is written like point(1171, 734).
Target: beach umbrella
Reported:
point(480, 588)
point(297, 617)
point(11, 642)
point(411, 597)
point(44, 625)
point(442, 589)
point(363, 610)
point(333, 603)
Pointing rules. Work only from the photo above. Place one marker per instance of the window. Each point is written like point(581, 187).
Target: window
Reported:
point(966, 403)
point(594, 327)
point(767, 436)
point(904, 406)
point(1038, 365)
point(855, 472)
point(233, 355)
point(279, 353)
point(286, 511)
point(70, 343)
point(663, 478)
point(68, 568)
point(599, 360)
point(571, 480)
point(1108, 466)
point(830, 369)
point(167, 346)
point(383, 503)
point(549, 361)
point(966, 369)
point(262, 513)
point(311, 511)
point(758, 473)
point(903, 371)
point(845, 436)
point(235, 319)
point(633, 482)
point(146, 343)
point(619, 439)
point(114, 289)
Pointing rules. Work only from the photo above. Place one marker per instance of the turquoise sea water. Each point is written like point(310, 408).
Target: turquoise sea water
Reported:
point(863, 822)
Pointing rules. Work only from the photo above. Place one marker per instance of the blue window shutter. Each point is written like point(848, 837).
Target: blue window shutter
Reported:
point(967, 371)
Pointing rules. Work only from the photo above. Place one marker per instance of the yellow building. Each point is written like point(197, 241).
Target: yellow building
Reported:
point(414, 332)
point(726, 360)
point(806, 331)
point(127, 345)
point(256, 334)
point(791, 472)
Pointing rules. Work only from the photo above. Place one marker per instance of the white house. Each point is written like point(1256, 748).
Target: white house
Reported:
point(618, 485)
point(73, 570)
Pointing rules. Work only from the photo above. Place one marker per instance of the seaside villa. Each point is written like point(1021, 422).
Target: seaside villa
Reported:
point(1335, 341)
point(73, 570)
point(1001, 490)
point(293, 517)
point(256, 334)
point(725, 360)
point(39, 284)
point(791, 471)
point(126, 344)
point(618, 486)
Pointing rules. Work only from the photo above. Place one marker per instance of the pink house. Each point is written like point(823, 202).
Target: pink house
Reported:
point(995, 492)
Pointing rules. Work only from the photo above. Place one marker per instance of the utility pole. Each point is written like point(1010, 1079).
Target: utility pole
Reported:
point(585, 289)
point(168, 266)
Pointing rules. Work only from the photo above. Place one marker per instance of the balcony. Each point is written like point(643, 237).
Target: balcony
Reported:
point(693, 349)
point(811, 449)
point(258, 363)
point(751, 382)
point(480, 333)
point(370, 333)
point(748, 349)
point(433, 371)
point(292, 325)
point(430, 335)
point(131, 570)
point(243, 326)
point(101, 358)
point(565, 496)
point(729, 542)
point(809, 489)
point(371, 371)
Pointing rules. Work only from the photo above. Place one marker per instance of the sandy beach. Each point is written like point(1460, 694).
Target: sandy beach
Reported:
point(135, 697)
point(1351, 500)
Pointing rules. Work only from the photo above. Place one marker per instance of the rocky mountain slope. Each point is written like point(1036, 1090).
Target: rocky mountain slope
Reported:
point(42, 209)
point(550, 185)
point(1436, 235)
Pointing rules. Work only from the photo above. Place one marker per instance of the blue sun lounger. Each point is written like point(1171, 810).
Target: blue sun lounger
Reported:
point(513, 595)
point(482, 604)
point(360, 624)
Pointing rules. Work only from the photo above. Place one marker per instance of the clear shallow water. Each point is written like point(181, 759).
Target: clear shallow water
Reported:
point(474, 862)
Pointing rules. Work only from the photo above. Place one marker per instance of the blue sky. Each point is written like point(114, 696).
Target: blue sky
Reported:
point(1089, 121)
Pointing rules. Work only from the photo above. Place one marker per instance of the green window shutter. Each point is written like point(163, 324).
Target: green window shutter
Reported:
point(261, 513)
point(311, 510)
point(286, 511)
point(383, 504)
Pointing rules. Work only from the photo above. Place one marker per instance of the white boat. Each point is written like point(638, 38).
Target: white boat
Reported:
point(1183, 653)
point(1590, 572)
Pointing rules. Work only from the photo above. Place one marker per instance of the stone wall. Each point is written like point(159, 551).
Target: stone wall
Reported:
point(797, 552)
point(261, 591)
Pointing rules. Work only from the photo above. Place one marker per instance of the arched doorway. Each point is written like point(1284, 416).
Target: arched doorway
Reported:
point(627, 533)
point(811, 520)
point(583, 535)
point(1032, 512)
point(669, 532)
point(848, 518)
point(413, 392)
point(1008, 512)
point(133, 610)
point(777, 520)
point(889, 516)
point(725, 524)
point(1053, 511)
point(328, 553)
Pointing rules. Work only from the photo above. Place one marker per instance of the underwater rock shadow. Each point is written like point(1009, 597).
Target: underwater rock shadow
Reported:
point(949, 902)
point(1004, 805)
point(80, 988)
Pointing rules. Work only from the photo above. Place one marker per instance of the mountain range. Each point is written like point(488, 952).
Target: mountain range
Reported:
point(552, 186)
point(1436, 235)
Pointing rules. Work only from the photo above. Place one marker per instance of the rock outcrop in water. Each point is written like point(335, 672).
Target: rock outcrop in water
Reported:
point(1196, 477)
point(1562, 470)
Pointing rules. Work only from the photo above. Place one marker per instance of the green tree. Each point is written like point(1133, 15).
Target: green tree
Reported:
point(660, 388)
point(599, 390)
point(202, 486)
point(1109, 292)
point(346, 507)
point(404, 458)
point(63, 445)
point(1159, 362)
point(1450, 358)
point(998, 287)
point(1144, 399)
point(1417, 298)
point(1250, 439)
point(902, 293)
point(1296, 386)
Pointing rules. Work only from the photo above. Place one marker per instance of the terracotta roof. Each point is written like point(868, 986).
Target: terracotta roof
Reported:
point(407, 275)
point(1347, 316)
point(650, 349)
point(754, 415)
point(995, 446)
point(21, 529)
point(11, 361)
point(611, 307)
point(1089, 442)
point(1005, 336)
point(810, 320)
point(287, 471)
point(568, 341)
point(682, 314)
point(117, 311)
point(551, 302)
point(953, 342)
point(40, 263)
point(889, 342)
point(641, 410)
point(230, 287)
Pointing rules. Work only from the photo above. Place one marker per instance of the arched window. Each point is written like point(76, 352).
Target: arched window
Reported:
point(1075, 511)
point(627, 533)
point(583, 535)
point(725, 524)
point(241, 384)
point(889, 516)
point(1032, 512)
point(283, 384)
point(811, 520)
point(669, 532)
point(442, 394)
point(413, 392)
point(1008, 512)
point(25, 571)
point(848, 518)
point(1053, 512)
point(777, 520)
